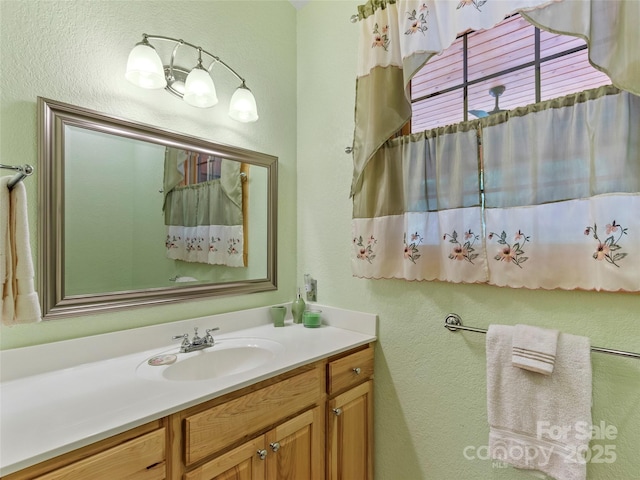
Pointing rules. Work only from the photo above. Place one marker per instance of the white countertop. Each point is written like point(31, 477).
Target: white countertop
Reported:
point(58, 397)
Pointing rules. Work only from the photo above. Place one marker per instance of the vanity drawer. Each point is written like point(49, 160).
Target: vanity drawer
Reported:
point(351, 370)
point(142, 458)
point(211, 430)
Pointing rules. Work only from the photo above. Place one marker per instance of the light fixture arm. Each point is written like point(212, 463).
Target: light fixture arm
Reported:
point(180, 42)
point(173, 57)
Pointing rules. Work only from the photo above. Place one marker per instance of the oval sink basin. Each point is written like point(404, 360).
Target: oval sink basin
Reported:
point(227, 357)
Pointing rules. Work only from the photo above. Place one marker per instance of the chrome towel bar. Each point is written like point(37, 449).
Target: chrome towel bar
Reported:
point(23, 172)
point(453, 323)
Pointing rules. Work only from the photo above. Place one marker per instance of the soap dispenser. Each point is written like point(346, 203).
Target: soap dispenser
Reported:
point(297, 308)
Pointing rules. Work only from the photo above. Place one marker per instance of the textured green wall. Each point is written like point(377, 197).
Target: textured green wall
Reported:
point(76, 52)
point(430, 384)
point(430, 401)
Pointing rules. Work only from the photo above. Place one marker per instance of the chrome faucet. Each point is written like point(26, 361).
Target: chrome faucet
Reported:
point(197, 343)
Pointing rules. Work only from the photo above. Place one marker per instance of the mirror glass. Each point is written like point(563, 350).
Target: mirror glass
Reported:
point(134, 215)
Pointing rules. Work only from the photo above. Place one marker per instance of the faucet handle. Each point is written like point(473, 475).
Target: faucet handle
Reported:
point(185, 339)
point(208, 337)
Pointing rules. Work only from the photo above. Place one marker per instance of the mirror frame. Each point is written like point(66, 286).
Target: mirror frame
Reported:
point(53, 117)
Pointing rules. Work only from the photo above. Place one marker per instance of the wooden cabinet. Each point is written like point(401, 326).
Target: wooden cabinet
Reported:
point(350, 434)
point(331, 439)
point(313, 423)
point(139, 454)
point(296, 448)
point(241, 463)
point(350, 417)
point(210, 429)
point(274, 430)
point(292, 450)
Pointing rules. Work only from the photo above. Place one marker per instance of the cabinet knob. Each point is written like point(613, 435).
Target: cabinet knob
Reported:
point(337, 411)
point(262, 454)
point(275, 446)
point(357, 370)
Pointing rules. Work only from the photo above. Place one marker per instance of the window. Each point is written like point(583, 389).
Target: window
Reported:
point(531, 64)
point(199, 167)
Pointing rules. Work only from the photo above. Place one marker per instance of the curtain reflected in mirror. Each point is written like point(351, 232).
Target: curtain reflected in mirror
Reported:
point(148, 216)
point(203, 208)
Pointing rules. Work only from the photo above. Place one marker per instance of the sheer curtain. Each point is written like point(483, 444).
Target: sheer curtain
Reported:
point(562, 192)
point(204, 220)
point(418, 214)
point(545, 196)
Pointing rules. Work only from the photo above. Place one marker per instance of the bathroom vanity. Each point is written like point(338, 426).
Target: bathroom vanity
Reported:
point(303, 412)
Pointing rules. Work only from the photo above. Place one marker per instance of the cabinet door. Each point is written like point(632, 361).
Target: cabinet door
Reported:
point(296, 448)
point(350, 437)
point(241, 463)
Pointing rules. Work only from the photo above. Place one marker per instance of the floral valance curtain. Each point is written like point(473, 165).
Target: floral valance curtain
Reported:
point(204, 221)
point(398, 38)
point(545, 196)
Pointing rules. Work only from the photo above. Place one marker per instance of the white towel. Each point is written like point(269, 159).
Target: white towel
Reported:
point(540, 422)
point(5, 253)
point(18, 299)
point(534, 348)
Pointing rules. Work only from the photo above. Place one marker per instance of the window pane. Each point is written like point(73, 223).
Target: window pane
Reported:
point(552, 43)
point(519, 90)
point(444, 109)
point(568, 74)
point(506, 46)
point(500, 48)
point(440, 73)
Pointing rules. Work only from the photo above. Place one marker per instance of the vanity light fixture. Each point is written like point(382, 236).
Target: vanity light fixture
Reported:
point(146, 69)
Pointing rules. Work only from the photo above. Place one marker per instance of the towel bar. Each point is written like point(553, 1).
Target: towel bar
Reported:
point(23, 172)
point(453, 323)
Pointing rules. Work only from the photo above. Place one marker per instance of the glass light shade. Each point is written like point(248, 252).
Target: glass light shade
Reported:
point(199, 89)
point(243, 105)
point(144, 67)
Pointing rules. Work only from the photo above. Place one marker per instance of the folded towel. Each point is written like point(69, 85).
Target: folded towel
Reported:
point(534, 348)
point(540, 422)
